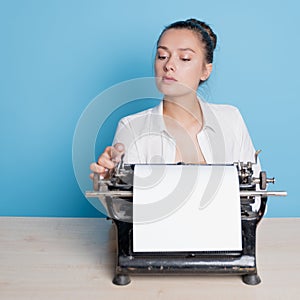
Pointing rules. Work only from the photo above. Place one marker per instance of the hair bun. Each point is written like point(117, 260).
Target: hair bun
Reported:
point(207, 28)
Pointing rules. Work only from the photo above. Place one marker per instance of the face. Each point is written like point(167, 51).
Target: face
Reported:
point(180, 62)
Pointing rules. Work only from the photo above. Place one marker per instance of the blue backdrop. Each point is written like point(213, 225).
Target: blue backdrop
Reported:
point(56, 56)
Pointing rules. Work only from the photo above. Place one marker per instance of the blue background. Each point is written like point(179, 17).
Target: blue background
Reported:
point(56, 56)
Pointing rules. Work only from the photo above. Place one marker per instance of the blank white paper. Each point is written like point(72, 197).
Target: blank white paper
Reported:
point(186, 208)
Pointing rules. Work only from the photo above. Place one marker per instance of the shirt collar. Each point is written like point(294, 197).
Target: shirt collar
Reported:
point(158, 123)
point(209, 119)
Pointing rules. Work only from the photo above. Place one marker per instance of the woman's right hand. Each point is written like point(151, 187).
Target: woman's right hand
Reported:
point(107, 160)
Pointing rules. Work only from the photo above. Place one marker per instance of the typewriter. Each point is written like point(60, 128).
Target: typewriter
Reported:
point(116, 195)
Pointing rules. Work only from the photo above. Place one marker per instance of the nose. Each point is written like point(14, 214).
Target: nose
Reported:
point(170, 65)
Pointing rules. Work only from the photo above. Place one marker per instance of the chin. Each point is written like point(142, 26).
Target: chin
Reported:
point(172, 89)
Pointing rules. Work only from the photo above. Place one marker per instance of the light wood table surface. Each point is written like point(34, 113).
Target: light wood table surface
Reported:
point(73, 258)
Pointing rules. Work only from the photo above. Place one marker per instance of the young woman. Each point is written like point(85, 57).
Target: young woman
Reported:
point(182, 128)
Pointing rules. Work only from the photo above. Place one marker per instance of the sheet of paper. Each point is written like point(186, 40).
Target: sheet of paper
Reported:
point(186, 208)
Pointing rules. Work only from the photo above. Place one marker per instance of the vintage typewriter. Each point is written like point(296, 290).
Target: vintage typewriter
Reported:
point(116, 194)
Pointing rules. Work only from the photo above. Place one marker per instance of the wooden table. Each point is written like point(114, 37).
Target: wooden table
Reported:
point(68, 258)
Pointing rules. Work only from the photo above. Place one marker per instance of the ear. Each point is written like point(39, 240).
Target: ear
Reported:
point(207, 69)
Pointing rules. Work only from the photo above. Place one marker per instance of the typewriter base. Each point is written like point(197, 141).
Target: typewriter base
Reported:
point(121, 279)
point(242, 263)
point(250, 279)
point(168, 267)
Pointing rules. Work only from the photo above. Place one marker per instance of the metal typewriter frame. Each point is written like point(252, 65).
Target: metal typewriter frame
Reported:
point(222, 262)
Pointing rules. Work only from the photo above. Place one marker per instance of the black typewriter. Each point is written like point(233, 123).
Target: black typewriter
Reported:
point(116, 195)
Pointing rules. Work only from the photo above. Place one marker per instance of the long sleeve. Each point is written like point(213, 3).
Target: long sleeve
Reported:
point(125, 135)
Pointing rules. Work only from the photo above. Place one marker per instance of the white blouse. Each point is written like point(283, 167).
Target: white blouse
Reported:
point(224, 138)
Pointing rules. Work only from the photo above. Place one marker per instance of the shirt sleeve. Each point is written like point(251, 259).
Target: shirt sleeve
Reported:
point(245, 146)
point(125, 135)
point(247, 153)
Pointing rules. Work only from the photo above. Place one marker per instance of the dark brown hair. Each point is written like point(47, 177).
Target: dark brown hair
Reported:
point(205, 33)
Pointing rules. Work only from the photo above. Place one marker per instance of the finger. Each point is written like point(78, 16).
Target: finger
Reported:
point(94, 167)
point(120, 147)
point(117, 151)
point(105, 161)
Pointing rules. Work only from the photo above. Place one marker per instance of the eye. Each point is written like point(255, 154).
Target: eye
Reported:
point(185, 59)
point(161, 56)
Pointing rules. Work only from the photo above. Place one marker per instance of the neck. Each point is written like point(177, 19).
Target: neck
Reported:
point(185, 110)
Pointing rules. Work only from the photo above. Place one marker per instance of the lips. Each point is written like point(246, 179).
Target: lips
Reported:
point(168, 79)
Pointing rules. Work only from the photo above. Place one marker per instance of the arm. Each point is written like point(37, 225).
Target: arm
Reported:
point(246, 148)
point(123, 140)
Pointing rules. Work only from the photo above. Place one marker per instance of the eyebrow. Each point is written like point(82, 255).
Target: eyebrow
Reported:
point(180, 49)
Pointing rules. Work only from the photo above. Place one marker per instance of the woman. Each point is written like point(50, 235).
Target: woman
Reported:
point(182, 128)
